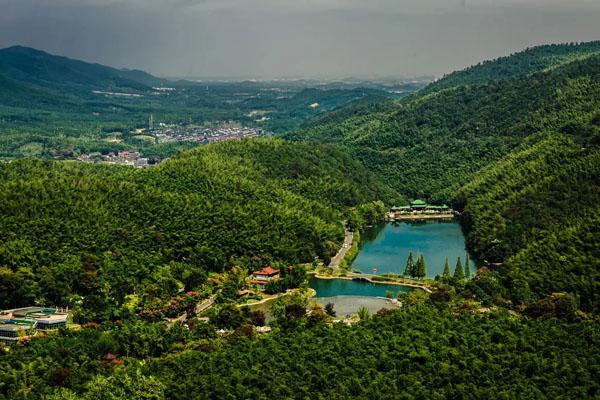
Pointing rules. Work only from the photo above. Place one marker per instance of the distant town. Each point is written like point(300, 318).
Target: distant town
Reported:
point(163, 133)
point(168, 133)
point(130, 158)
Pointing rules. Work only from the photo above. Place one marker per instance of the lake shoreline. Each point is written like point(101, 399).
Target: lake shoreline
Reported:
point(385, 247)
point(368, 279)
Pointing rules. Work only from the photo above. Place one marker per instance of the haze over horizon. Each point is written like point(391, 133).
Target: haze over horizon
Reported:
point(294, 39)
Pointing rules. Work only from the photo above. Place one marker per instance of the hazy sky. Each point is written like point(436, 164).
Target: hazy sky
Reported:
point(294, 38)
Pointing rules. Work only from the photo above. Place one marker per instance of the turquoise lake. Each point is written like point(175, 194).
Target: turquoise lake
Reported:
point(386, 247)
point(343, 287)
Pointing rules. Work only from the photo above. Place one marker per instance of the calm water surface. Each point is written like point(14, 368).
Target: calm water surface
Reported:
point(348, 296)
point(386, 247)
point(343, 287)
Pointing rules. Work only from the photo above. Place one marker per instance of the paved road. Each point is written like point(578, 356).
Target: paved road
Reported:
point(335, 261)
point(204, 305)
point(200, 307)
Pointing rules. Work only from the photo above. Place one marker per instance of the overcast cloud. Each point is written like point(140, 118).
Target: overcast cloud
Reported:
point(294, 38)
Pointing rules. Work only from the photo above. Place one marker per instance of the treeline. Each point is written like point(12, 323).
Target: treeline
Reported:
point(523, 63)
point(422, 351)
point(87, 235)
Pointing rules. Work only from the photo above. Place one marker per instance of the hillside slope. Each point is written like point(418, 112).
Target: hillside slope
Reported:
point(431, 145)
point(523, 63)
point(536, 213)
point(101, 232)
point(35, 67)
point(518, 156)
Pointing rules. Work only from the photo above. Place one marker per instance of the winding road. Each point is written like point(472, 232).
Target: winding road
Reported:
point(349, 236)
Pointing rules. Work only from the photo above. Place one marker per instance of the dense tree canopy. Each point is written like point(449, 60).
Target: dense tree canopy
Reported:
point(513, 144)
point(430, 144)
point(106, 232)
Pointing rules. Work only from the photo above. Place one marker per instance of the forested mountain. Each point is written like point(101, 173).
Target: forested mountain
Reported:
point(432, 144)
point(35, 67)
point(537, 211)
point(105, 232)
point(523, 63)
point(517, 154)
point(513, 144)
point(54, 107)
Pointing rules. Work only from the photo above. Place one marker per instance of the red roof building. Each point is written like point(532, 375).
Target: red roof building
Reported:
point(267, 273)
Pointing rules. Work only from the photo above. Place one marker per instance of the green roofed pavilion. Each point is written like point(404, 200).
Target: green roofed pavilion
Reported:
point(418, 204)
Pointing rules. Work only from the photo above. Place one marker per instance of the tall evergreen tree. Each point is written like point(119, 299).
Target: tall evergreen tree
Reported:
point(446, 274)
point(459, 273)
point(467, 268)
point(409, 270)
point(421, 267)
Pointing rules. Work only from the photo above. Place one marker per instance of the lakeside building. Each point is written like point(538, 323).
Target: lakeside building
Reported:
point(264, 276)
point(267, 274)
point(27, 321)
point(419, 207)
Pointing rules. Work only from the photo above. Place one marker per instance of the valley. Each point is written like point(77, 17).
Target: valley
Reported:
point(288, 262)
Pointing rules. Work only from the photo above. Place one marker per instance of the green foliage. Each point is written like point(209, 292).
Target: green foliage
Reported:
point(387, 356)
point(409, 269)
point(420, 267)
point(536, 212)
point(364, 314)
point(329, 309)
point(514, 144)
point(105, 232)
point(55, 107)
point(523, 63)
point(368, 214)
point(459, 272)
point(431, 144)
point(227, 316)
point(467, 267)
point(446, 274)
point(515, 147)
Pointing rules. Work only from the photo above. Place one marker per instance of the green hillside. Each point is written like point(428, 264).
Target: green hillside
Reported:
point(518, 156)
point(416, 353)
point(513, 144)
point(432, 144)
point(105, 232)
point(523, 63)
point(35, 67)
point(536, 211)
point(53, 107)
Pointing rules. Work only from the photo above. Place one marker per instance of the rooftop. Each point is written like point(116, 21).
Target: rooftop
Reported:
point(400, 208)
point(267, 271)
point(15, 327)
point(27, 314)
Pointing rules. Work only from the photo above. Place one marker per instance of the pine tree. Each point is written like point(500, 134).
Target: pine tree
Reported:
point(421, 267)
point(409, 270)
point(459, 273)
point(446, 274)
point(467, 268)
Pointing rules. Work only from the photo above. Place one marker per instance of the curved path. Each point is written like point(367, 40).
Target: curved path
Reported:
point(348, 238)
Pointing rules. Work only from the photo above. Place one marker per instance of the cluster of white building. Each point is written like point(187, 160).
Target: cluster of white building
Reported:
point(130, 158)
point(204, 134)
point(26, 322)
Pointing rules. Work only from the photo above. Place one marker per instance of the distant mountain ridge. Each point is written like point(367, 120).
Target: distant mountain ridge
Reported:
point(522, 63)
point(32, 67)
point(461, 128)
